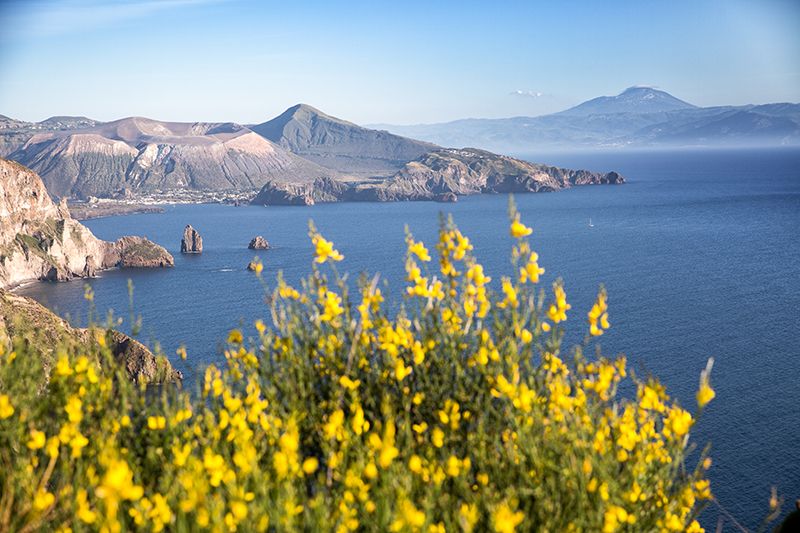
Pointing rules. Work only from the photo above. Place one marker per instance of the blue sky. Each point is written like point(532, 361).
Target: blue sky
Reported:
point(394, 62)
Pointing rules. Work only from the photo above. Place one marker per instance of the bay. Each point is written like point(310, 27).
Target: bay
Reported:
point(698, 251)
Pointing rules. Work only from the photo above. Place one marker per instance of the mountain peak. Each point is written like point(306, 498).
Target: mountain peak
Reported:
point(636, 99)
point(339, 144)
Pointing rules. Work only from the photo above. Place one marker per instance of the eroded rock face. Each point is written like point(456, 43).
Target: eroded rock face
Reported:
point(140, 363)
point(192, 242)
point(258, 243)
point(90, 268)
point(45, 330)
point(40, 240)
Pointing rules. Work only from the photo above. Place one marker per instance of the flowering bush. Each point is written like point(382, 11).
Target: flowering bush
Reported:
point(461, 412)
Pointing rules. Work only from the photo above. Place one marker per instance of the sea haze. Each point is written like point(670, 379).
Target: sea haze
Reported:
point(699, 253)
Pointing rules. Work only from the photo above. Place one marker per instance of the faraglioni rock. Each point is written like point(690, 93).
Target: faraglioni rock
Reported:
point(258, 243)
point(45, 331)
point(192, 242)
point(39, 240)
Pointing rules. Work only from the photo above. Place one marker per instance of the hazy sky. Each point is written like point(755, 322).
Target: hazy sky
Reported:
point(396, 62)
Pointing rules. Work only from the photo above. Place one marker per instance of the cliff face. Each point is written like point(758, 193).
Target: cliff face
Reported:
point(44, 330)
point(442, 174)
point(40, 240)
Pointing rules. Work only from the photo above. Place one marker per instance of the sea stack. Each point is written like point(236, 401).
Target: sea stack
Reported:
point(258, 243)
point(192, 242)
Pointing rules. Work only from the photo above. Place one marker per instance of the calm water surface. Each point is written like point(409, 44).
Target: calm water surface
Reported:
point(699, 253)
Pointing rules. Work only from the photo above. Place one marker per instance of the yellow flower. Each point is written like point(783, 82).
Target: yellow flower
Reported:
point(409, 518)
point(310, 465)
point(73, 409)
point(505, 519)
point(77, 443)
point(84, 512)
point(677, 423)
point(324, 249)
point(118, 483)
point(614, 517)
point(510, 293)
point(519, 230)
point(156, 422)
point(598, 315)
point(42, 500)
point(62, 366)
point(235, 337)
point(437, 437)
point(418, 249)
point(6, 409)
point(558, 309)
point(705, 394)
point(467, 516)
point(37, 440)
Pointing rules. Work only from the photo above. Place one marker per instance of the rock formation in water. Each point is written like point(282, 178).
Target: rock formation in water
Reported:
point(442, 175)
point(138, 252)
point(192, 242)
point(45, 332)
point(253, 265)
point(258, 243)
point(40, 240)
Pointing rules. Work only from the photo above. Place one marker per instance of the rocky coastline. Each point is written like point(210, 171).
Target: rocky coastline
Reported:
point(39, 240)
point(441, 176)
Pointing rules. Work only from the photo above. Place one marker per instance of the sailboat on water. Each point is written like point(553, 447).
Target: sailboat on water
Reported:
point(590, 222)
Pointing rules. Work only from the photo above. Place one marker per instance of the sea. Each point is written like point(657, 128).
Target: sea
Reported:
point(699, 252)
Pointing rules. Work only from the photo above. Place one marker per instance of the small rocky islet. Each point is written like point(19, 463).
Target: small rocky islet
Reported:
point(192, 242)
point(258, 243)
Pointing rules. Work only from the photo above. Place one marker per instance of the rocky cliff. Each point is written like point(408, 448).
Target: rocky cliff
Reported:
point(45, 331)
point(441, 175)
point(40, 240)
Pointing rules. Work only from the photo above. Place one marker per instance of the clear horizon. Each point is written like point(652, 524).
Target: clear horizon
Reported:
point(244, 61)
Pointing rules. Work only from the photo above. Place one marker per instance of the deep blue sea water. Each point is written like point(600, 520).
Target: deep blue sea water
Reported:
point(699, 252)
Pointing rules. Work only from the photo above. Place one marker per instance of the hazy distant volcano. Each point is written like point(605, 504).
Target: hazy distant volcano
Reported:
point(638, 117)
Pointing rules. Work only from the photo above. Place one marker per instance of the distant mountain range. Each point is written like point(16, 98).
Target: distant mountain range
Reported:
point(637, 117)
point(302, 156)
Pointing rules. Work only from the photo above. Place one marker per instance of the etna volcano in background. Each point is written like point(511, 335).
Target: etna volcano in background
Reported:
point(637, 117)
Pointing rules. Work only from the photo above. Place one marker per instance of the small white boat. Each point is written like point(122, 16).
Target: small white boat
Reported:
point(590, 223)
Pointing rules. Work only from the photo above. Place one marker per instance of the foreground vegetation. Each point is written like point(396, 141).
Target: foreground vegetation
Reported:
point(462, 411)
